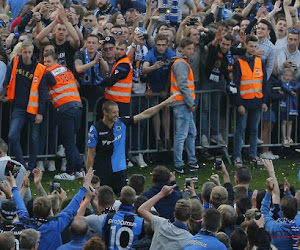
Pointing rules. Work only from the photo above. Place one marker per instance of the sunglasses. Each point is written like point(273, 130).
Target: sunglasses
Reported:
point(108, 49)
point(115, 32)
point(294, 31)
point(2, 23)
point(88, 20)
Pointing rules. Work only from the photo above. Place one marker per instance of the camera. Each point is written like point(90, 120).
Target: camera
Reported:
point(12, 167)
point(54, 186)
point(193, 21)
point(218, 163)
point(164, 10)
point(188, 182)
point(257, 215)
point(160, 58)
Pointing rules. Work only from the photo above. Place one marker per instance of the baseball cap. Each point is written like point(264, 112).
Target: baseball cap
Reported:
point(109, 39)
point(8, 209)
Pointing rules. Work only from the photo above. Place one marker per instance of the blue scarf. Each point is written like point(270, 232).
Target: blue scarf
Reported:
point(180, 225)
point(87, 75)
point(289, 101)
point(294, 228)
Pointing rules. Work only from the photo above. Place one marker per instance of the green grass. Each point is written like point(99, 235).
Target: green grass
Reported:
point(284, 168)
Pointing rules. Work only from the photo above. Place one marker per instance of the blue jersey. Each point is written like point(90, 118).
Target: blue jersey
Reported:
point(110, 144)
point(122, 229)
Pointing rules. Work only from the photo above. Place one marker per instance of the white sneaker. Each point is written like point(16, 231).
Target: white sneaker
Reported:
point(63, 166)
point(139, 160)
point(267, 155)
point(51, 166)
point(65, 177)
point(204, 141)
point(40, 165)
point(259, 141)
point(218, 139)
point(61, 151)
point(129, 164)
point(78, 175)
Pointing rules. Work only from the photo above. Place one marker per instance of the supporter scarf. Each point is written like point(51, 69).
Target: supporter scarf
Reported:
point(180, 225)
point(204, 231)
point(108, 210)
point(215, 74)
point(105, 10)
point(173, 16)
point(294, 228)
point(87, 75)
point(138, 63)
point(290, 102)
point(126, 208)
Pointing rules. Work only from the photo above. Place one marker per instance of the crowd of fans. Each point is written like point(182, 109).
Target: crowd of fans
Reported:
point(71, 50)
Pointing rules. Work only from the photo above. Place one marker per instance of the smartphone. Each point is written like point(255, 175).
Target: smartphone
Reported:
point(54, 186)
point(13, 168)
point(257, 215)
point(193, 21)
point(164, 10)
point(218, 163)
point(160, 58)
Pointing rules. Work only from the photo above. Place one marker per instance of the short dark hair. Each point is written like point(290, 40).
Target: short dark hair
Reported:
point(229, 37)
point(238, 239)
point(289, 207)
point(95, 179)
point(185, 42)
point(93, 35)
point(266, 22)
point(106, 196)
point(139, 202)
point(251, 38)
point(212, 219)
point(161, 37)
point(243, 204)
point(259, 197)
point(243, 174)
point(107, 104)
point(52, 54)
point(122, 42)
point(161, 175)
point(137, 182)
point(206, 190)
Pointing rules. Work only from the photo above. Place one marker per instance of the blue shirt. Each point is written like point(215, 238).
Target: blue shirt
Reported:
point(76, 243)
point(159, 77)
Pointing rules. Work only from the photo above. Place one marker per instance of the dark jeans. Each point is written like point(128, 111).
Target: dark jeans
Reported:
point(138, 105)
point(68, 124)
point(18, 118)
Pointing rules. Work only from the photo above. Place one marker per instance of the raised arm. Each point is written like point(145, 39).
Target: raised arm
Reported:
point(152, 111)
point(144, 210)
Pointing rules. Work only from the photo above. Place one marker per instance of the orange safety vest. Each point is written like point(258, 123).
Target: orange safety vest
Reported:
point(190, 82)
point(251, 81)
point(121, 90)
point(33, 102)
point(65, 90)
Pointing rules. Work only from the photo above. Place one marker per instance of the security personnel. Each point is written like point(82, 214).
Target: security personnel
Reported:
point(27, 91)
point(122, 229)
point(249, 77)
point(119, 85)
point(182, 83)
point(66, 100)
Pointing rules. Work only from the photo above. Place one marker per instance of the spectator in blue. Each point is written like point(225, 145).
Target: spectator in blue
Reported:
point(14, 6)
point(49, 227)
point(206, 238)
point(253, 6)
point(105, 7)
point(79, 230)
point(165, 207)
point(157, 65)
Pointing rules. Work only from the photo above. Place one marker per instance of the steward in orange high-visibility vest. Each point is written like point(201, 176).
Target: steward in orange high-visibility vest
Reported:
point(121, 90)
point(190, 82)
point(251, 83)
point(65, 90)
point(33, 101)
